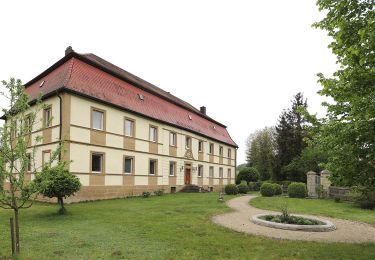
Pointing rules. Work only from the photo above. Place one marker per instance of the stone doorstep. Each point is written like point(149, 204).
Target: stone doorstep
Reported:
point(329, 226)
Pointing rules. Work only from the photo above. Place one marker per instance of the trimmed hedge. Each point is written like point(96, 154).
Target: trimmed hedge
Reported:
point(297, 190)
point(231, 189)
point(277, 188)
point(242, 187)
point(267, 189)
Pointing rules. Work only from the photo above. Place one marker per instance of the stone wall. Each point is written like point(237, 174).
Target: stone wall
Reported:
point(339, 192)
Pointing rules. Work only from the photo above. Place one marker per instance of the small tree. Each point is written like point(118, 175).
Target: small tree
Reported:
point(17, 151)
point(247, 174)
point(57, 182)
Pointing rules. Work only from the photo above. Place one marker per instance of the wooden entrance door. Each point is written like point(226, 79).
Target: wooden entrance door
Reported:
point(187, 176)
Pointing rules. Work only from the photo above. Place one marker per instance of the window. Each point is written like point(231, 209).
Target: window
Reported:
point(97, 162)
point(129, 128)
point(229, 174)
point(188, 142)
point(229, 153)
point(211, 148)
point(153, 134)
point(172, 139)
point(46, 157)
point(47, 117)
point(200, 170)
point(172, 168)
point(200, 146)
point(128, 165)
point(28, 155)
point(220, 172)
point(153, 167)
point(28, 123)
point(211, 172)
point(221, 151)
point(97, 120)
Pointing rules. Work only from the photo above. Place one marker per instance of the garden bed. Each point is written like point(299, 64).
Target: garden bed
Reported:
point(295, 222)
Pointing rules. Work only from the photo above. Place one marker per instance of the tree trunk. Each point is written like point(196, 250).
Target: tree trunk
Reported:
point(17, 227)
point(62, 208)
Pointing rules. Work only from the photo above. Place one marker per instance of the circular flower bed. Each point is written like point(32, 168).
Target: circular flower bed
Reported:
point(293, 222)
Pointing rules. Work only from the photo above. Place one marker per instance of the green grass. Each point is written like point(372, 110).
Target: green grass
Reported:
point(176, 226)
point(322, 207)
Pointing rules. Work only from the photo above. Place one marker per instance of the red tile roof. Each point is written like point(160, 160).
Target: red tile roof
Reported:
point(93, 77)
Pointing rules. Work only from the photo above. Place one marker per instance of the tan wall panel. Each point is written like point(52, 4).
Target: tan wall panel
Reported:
point(129, 143)
point(97, 137)
point(97, 180)
point(141, 180)
point(111, 180)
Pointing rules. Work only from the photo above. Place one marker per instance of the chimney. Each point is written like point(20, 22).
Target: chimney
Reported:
point(203, 110)
point(68, 50)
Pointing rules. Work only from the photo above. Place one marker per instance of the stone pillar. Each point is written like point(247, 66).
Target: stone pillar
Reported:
point(312, 184)
point(324, 181)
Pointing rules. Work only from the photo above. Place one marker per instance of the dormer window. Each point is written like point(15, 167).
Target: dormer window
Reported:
point(141, 97)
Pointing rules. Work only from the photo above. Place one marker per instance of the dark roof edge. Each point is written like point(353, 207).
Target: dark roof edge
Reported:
point(96, 65)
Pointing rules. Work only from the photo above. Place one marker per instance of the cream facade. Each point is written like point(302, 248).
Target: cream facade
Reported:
point(83, 141)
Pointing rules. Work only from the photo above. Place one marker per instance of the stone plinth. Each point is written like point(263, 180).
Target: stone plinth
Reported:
point(312, 184)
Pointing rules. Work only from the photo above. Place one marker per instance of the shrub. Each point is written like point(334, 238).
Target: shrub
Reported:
point(231, 189)
point(337, 199)
point(297, 190)
point(146, 194)
point(255, 186)
point(277, 188)
point(159, 192)
point(247, 174)
point(267, 189)
point(57, 182)
point(242, 187)
point(364, 197)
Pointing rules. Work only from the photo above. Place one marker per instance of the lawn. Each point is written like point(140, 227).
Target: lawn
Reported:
point(321, 207)
point(176, 226)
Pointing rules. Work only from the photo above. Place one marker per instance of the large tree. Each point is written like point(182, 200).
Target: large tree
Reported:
point(17, 151)
point(347, 132)
point(261, 152)
point(290, 134)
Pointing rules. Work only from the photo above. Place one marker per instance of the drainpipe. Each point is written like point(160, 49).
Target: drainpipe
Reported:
point(60, 127)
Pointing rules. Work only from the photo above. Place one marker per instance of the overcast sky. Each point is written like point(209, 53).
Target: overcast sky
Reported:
point(243, 60)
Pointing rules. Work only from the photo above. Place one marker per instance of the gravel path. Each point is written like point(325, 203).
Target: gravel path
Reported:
point(239, 220)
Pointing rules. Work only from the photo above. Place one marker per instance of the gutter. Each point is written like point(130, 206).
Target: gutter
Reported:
point(60, 128)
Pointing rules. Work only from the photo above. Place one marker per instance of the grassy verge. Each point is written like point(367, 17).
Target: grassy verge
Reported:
point(174, 226)
point(322, 207)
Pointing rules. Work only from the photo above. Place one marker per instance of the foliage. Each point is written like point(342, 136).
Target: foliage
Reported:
point(255, 186)
point(57, 182)
point(231, 189)
point(17, 152)
point(347, 131)
point(320, 191)
point(297, 190)
point(277, 188)
point(242, 187)
point(310, 159)
point(364, 198)
point(247, 174)
point(267, 189)
point(159, 192)
point(146, 194)
point(290, 134)
point(294, 220)
point(260, 152)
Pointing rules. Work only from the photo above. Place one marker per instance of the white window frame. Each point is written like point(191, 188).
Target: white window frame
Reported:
point(172, 166)
point(131, 166)
point(93, 118)
point(173, 139)
point(132, 124)
point(153, 132)
point(101, 162)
